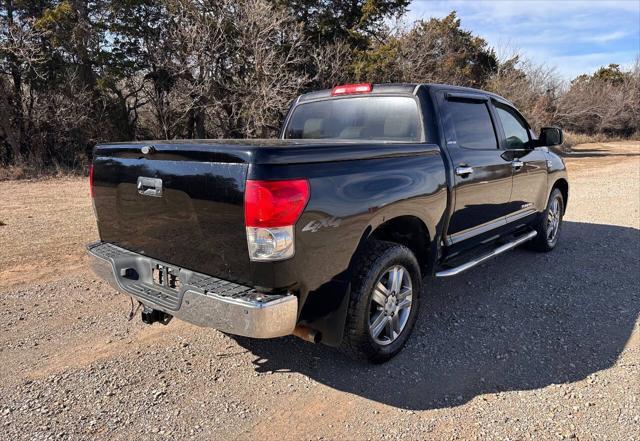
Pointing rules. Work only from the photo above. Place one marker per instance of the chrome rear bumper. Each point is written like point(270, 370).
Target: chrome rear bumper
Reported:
point(200, 299)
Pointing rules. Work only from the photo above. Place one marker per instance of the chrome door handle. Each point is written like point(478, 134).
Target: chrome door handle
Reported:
point(517, 165)
point(464, 171)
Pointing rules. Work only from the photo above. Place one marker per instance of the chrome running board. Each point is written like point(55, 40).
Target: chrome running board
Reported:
point(501, 249)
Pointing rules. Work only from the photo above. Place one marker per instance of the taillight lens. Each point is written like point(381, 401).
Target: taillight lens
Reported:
point(274, 203)
point(91, 181)
point(271, 209)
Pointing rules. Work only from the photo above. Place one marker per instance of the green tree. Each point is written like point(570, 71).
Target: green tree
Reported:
point(437, 50)
point(610, 74)
point(353, 21)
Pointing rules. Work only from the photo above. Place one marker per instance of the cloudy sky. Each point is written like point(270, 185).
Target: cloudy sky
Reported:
point(575, 36)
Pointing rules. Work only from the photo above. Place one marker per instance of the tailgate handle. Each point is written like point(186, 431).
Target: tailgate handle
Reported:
point(150, 186)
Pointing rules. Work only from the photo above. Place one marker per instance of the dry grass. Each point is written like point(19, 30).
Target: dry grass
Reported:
point(572, 139)
point(28, 171)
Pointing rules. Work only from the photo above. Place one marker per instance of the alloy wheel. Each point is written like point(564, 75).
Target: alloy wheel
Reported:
point(553, 220)
point(390, 305)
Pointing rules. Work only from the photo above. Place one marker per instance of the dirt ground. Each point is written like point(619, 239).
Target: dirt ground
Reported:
point(527, 346)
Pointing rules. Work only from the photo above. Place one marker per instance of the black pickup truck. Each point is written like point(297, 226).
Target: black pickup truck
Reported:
point(329, 232)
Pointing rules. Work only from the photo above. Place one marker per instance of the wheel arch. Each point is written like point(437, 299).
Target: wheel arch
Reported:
point(407, 230)
point(563, 185)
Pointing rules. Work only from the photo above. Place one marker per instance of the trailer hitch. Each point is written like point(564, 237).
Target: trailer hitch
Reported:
point(150, 316)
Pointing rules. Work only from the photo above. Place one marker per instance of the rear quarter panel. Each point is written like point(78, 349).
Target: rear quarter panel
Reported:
point(349, 200)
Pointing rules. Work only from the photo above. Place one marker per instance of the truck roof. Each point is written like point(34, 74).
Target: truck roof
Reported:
point(396, 88)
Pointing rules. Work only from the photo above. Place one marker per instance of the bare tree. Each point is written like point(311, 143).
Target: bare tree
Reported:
point(74, 73)
point(20, 55)
point(331, 64)
point(533, 88)
point(268, 48)
point(606, 102)
point(228, 68)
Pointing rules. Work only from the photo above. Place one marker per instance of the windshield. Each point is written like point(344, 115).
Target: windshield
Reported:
point(384, 118)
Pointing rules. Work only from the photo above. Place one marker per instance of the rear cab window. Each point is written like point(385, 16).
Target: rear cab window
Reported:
point(378, 118)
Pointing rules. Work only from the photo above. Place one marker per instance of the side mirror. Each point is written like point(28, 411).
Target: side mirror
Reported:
point(550, 136)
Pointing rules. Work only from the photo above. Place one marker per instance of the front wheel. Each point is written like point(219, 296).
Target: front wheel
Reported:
point(549, 223)
point(384, 302)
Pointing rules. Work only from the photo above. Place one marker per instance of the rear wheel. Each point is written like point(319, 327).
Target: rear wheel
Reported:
point(548, 225)
point(384, 302)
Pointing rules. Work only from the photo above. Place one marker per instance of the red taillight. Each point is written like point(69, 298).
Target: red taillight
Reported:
point(351, 88)
point(274, 203)
point(91, 180)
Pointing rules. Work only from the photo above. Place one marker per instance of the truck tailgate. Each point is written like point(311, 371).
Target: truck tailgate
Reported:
point(177, 203)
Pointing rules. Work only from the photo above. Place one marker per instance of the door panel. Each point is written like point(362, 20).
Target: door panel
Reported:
point(482, 196)
point(529, 163)
point(530, 181)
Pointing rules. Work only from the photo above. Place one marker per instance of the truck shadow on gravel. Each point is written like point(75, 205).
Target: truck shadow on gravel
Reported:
point(522, 321)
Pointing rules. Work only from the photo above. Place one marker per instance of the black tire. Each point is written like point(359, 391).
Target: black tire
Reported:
point(374, 262)
point(542, 242)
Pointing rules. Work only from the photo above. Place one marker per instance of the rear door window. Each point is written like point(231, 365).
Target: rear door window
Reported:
point(384, 118)
point(472, 124)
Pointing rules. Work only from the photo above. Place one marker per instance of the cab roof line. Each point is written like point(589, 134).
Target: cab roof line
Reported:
point(377, 89)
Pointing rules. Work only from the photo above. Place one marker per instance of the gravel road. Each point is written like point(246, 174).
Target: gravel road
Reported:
point(527, 346)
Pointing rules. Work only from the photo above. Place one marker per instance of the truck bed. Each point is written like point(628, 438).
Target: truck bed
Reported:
point(198, 220)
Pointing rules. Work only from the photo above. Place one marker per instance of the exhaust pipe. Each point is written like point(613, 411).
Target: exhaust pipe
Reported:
point(307, 334)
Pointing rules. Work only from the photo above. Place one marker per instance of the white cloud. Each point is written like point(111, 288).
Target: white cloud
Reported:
point(606, 38)
point(529, 8)
point(575, 36)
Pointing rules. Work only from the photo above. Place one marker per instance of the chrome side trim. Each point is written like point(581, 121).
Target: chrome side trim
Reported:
point(520, 214)
point(237, 310)
point(501, 249)
point(491, 225)
point(474, 231)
